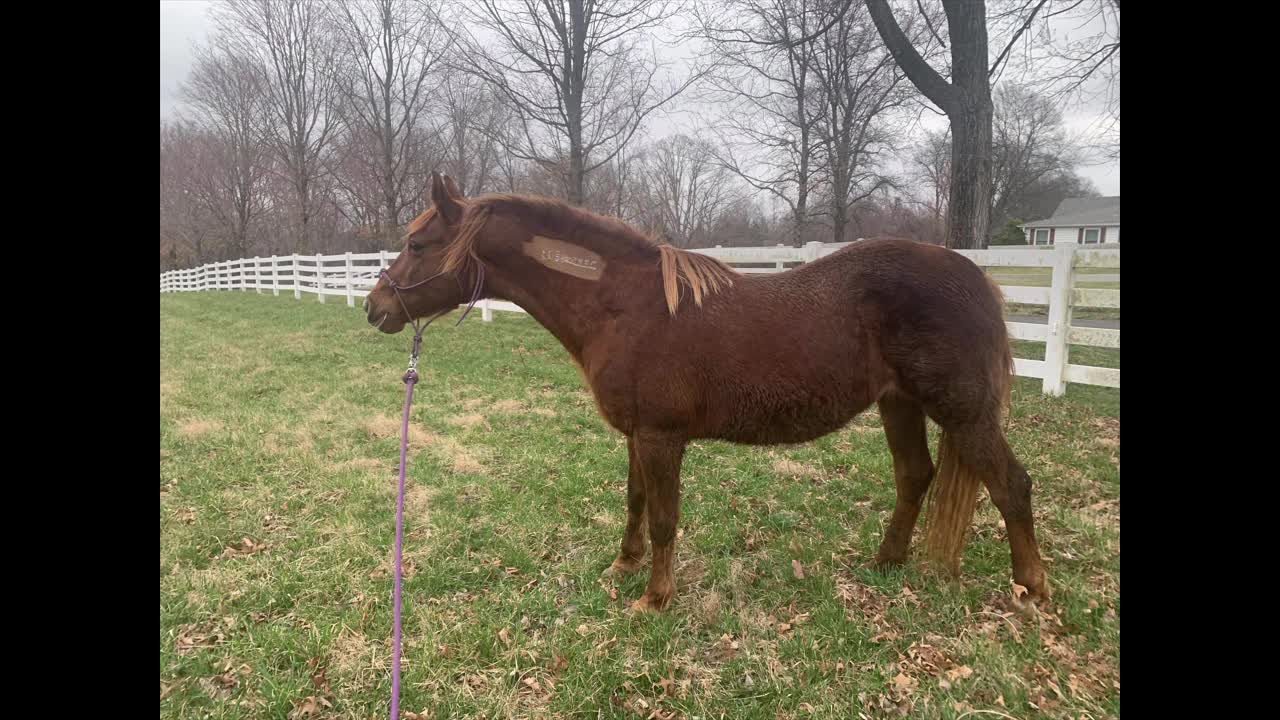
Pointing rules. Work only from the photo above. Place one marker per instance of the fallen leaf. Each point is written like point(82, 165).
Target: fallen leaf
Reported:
point(1019, 591)
point(319, 676)
point(797, 569)
point(903, 681)
point(504, 636)
point(246, 546)
point(558, 664)
point(167, 689)
point(215, 689)
point(309, 707)
point(667, 684)
point(190, 637)
point(959, 673)
point(886, 636)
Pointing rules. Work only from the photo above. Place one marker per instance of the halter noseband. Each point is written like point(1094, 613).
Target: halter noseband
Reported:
point(417, 331)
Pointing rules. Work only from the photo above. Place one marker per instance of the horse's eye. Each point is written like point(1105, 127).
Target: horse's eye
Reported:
point(416, 247)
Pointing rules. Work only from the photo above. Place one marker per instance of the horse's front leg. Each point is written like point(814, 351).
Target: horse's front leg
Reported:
point(659, 456)
point(633, 545)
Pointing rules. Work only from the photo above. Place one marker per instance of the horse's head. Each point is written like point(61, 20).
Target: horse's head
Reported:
point(424, 282)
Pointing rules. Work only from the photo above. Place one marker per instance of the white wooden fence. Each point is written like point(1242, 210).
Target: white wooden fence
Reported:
point(352, 275)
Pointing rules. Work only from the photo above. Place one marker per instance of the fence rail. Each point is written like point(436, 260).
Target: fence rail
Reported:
point(352, 275)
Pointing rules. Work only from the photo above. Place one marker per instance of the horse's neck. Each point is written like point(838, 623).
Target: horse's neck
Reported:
point(569, 307)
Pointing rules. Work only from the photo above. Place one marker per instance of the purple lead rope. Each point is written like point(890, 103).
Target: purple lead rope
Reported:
point(410, 378)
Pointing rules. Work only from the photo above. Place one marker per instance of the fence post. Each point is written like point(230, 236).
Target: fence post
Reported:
point(486, 312)
point(779, 266)
point(320, 278)
point(257, 275)
point(351, 299)
point(382, 259)
point(1056, 352)
point(297, 279)
point(275, 276)
point(810, 251)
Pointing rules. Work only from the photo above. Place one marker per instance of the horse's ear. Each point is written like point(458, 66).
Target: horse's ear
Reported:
point(452, 187)
point(448, 207)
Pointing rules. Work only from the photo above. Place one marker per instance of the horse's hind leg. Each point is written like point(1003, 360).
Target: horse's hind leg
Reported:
point(904, 428)
point(633, 544)
point(982, 452)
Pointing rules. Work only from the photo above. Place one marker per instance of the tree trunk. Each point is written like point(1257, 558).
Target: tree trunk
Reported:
point(969, 210)
point(967, 102)
point(969, 207)
point(576, 77)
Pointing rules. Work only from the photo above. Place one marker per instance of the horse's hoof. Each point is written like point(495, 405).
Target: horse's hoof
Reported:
point(622, 566)
point(885, 562)
point(1028, 598)
point(650, 602)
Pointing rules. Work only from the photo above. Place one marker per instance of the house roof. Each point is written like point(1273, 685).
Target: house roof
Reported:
point(1074, 212)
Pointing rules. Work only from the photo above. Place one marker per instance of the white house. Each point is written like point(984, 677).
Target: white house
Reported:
point(1086, 221)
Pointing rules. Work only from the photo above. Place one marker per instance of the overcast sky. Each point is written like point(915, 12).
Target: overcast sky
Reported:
point(185, 22)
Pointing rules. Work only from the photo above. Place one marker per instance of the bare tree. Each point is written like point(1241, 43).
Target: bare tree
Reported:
point(576, 76)
point(388, 52)
point(966, 99)
point(1070, 54)
point(686, 189)
point(764, 81)
point(476, 126)
point(931, 166)
point(358, 191)
point(225, 94)
point(617, 187)
point(1031, 155)
point(288, 40)
point(186, 230)
point(1028, 145)
point(861, 88)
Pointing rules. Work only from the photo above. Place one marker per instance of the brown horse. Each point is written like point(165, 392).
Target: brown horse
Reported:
point(756, 359)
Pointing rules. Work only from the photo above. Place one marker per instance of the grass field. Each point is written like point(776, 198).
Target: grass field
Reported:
point(279, 425)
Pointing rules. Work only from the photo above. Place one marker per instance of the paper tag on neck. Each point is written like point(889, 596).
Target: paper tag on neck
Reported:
point(565, 257)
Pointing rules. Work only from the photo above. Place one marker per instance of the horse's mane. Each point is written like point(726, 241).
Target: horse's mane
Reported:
point(703, 274)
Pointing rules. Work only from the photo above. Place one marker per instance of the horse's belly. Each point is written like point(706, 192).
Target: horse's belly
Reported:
point(801, 420)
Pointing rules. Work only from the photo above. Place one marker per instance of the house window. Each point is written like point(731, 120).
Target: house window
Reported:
point(1092, 236)
point(1041, 237)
